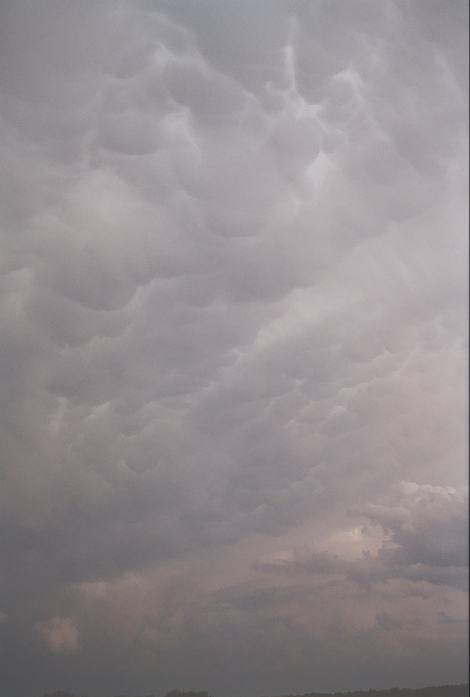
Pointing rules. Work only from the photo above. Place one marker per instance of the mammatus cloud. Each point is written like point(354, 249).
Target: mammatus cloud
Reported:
point(233, 314)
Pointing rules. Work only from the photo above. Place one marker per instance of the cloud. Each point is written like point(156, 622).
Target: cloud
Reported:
point(59, 634)
point(427, 526)
point(233, 316)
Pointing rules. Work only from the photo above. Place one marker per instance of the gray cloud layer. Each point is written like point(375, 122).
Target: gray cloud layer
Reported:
point(233, 354)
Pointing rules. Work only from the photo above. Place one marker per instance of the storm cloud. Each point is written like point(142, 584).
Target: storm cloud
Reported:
point(233, 320)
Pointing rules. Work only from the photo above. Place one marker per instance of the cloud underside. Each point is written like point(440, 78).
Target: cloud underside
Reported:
point(233, 344)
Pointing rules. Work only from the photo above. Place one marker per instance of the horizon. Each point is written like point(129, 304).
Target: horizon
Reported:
point(204, 693)
point(234, 345)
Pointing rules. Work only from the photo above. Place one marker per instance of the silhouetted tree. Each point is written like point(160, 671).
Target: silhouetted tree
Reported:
point(190, 693)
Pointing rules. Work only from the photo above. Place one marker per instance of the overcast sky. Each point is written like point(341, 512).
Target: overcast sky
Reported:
point(233, 345)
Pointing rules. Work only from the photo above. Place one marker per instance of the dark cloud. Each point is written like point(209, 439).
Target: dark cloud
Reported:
point(233, 320)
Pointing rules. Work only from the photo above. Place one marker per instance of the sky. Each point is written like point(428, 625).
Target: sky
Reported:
point(233, 356)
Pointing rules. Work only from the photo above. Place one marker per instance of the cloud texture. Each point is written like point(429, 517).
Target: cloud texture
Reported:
point(233, 345)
